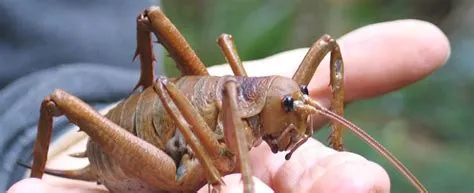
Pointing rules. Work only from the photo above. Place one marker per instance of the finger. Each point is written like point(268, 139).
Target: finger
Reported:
point(316, 168)
point(283, 64)
point(291, 174)
point(378, 58)
point(383, 57)
point(233, 184)
point(267, 166)
point(350, 175)
point(30, 185)
point(53, 186)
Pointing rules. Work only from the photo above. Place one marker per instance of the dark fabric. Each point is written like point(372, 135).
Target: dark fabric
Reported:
point(35, 35)
point(82, 47)
point(20, 103)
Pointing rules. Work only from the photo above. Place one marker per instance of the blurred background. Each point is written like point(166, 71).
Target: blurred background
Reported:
point(426, 125)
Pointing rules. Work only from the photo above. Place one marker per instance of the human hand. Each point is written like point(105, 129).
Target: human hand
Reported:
point(379, 58)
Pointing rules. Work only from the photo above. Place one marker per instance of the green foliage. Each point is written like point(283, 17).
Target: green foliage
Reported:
point(259, 29)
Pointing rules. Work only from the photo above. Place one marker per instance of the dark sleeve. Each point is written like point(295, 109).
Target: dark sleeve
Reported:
point(82, 47)
point(98, 85)
point(35, 35)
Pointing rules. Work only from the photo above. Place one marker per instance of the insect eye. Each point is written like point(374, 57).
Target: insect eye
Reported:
point(288, 103)
point(304, 89)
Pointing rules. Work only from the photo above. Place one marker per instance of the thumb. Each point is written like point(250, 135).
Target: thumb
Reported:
point(30, 185)
point(41, 186)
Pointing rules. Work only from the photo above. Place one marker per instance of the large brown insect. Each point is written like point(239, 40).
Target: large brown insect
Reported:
point(165, 137)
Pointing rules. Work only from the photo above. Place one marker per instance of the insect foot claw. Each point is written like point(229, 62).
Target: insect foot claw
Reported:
point(78, 155)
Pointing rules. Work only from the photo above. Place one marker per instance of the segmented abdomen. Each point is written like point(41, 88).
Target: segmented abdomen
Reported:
point(143, 115)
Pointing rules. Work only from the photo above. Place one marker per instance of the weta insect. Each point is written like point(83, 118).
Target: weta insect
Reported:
point(163, 138)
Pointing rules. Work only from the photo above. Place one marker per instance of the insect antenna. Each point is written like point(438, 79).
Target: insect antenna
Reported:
point(313, 107)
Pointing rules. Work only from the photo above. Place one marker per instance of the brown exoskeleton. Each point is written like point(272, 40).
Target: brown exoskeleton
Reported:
point(165, 137)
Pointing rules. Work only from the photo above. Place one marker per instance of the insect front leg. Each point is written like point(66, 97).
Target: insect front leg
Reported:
point(235, 139)
point(234, 133)
point(306, 71)
point(131, 153)
point(199, 136)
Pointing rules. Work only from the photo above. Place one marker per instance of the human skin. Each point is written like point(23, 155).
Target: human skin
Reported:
point(378, 58)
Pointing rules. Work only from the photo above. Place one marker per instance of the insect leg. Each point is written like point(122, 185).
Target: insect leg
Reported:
point(130, 152)
point(144, 50)
point(230, 52)
point(200, 138)
point(337, 104)
point(313, 58)
point(85, 174)
point(178, 48)
point(234, 135)
point(306, 71)
point(48, 110)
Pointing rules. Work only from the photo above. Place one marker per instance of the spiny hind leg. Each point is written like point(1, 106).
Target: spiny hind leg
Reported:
point(154, 20)
point(145, 53)
point(306, 71)
point(131, 153)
